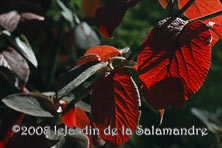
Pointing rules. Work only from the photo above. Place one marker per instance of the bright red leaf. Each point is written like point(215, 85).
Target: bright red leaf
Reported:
point(111, 15)
point(217, 28)
point(163, 3)
point(115, 104)
point(174, 62)
point(104, 52)
point(87, 58)
point(74, 117)
point(203, 7)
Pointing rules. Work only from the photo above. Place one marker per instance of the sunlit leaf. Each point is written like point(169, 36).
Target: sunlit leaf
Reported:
point(85, 37)
point(163, 3)
point(203, 7)
point(104, 52)
point(30, 103)
point(11, 60)
point(174, 62)
point(76, 76)
point(217, 28)
point(115, 104)
point(111, 15)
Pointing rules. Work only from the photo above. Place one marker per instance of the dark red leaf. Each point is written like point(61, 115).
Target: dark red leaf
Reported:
point(174, 62)
point(87, 58)
point(11, 19)
point(111, 15)
point(104, 52)
point(115, 103)
point(203, 7)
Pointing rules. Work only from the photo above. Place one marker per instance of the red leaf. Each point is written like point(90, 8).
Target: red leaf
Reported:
point(111, 15)
point(163, 3)
point(75, 117)
point(217, 28)
point(115, 103)
point(203, 7)
point(174, 62)
point(104, 52)
point(88, 58)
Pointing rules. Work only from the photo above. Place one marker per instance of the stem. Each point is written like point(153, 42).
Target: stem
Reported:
point(58, 49)
point(209, 16)
point(185, 7)
point(73, 102)
point(171, 7)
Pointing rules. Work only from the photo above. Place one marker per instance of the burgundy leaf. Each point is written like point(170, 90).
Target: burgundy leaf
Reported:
point(16, 64)
point(87, 58)
point(111, 15)
point(31, 16)
point(174, 62)
point(9, 20)
point(115, 104)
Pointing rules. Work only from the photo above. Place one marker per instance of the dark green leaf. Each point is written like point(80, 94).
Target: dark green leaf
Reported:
point(31, 103)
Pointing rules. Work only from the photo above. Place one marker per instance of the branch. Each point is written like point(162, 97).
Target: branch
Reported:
point(209, 16)
point(185, 7)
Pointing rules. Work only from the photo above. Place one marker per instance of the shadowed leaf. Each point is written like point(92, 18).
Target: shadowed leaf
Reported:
point(30, 103)
point(11, 60)
point(111, 15)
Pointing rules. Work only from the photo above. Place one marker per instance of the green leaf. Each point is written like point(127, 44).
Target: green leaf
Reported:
point(66, 13)
point(32, 103)
point(76, 76)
